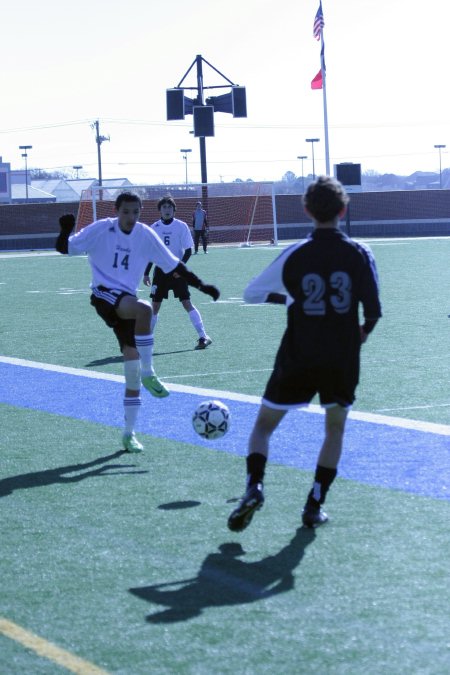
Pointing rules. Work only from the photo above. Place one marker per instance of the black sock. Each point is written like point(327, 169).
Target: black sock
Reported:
point(256, 464)
point(322, 481)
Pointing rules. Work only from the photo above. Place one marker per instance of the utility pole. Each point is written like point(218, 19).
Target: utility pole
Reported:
point(99, 140)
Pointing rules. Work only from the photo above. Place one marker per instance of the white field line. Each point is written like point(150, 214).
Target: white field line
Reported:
point(402, 423)
point(281, 244)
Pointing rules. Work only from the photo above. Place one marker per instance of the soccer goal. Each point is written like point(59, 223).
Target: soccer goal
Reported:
point(242, 214)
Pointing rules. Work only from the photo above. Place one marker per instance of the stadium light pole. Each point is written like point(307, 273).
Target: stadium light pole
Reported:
point(302, 157)
point(25, 156)
point(77, 167)
point(312, 141)
point(440, 147)
point(234, 103)
point(185, 157)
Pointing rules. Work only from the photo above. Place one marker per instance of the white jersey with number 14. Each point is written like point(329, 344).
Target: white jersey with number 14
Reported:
point(118, 259)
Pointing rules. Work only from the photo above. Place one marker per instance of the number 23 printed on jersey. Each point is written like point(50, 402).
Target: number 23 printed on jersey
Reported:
point(314, 287)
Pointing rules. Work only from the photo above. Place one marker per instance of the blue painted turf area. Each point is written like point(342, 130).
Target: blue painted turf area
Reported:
point(376, 454)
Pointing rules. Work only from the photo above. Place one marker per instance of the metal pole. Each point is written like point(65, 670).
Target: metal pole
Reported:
point(312, 141)
point(25, 156)
point(274, 212)
point(439, 147)
point(202, 141)
point(185, 157)
point(302, 157)
point(26, 176)
point(325, 113)
point(99, 154)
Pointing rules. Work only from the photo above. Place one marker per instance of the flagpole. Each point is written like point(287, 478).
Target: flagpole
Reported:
point(324, 94)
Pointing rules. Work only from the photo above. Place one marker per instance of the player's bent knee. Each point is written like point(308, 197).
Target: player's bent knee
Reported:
point(143, 309)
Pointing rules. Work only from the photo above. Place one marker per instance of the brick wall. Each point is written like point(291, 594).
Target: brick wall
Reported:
point(411, 213)
point(20, 219)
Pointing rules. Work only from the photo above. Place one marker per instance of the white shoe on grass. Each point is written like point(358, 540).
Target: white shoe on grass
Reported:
point(131, 443)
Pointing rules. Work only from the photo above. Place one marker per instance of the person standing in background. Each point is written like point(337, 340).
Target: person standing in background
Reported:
point(200, 225)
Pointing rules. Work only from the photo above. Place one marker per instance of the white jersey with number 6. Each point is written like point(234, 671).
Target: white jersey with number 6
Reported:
point(118, 259)
point(175, 235)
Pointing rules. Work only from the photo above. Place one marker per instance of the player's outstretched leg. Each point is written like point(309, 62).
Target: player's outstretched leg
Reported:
point(251, 502)
point(155, 386)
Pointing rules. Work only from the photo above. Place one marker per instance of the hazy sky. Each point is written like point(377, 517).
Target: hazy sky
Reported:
point(68, 64)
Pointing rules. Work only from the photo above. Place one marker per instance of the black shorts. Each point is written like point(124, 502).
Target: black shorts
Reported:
point(105, 301)
point(163, 283)
point(293, 388)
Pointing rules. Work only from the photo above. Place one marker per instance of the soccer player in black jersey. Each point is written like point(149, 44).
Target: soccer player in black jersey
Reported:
point(322, 280)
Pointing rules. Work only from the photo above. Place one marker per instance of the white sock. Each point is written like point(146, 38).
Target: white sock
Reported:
point(144, 345)
point(153, 322)
point(132, 371)
point(131, 407)
point(197, 322)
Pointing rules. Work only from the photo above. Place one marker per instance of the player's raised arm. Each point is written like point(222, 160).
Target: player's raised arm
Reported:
point(268, 286)
point(66, 223)
point(193, 280)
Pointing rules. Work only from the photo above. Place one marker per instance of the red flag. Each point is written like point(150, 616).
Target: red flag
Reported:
point(317, 82)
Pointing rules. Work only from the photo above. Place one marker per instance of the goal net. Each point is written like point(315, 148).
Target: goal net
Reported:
point(238, 213)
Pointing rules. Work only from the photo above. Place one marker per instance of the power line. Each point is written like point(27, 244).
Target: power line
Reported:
point(163, 123)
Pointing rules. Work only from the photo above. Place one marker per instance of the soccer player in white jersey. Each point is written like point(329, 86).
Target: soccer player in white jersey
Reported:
point(322, 280)
point(118, 251)
point(177, 237)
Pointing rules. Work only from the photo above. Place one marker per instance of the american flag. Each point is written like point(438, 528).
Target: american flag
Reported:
point(318, 23)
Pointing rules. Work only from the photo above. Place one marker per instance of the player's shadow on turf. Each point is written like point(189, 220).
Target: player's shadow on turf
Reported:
point(58, 475)
point(172, 506)
point(176, 351)
point(105, 361)
point(223, 579)
point(119, 359)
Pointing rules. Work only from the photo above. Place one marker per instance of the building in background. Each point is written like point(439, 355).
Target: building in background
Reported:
point(5, 182)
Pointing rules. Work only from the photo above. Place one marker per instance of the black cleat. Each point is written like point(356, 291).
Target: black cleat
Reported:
point(313, 516)
point(203, 342)
point(252, 501)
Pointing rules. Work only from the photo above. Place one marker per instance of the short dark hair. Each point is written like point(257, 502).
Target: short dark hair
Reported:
point(167, 199)
point(325, 198)
point(127, 197)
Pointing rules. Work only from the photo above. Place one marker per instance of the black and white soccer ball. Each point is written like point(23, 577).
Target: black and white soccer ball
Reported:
point(211, 419)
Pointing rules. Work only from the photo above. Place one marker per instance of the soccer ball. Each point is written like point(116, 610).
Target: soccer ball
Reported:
point(211, 419)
